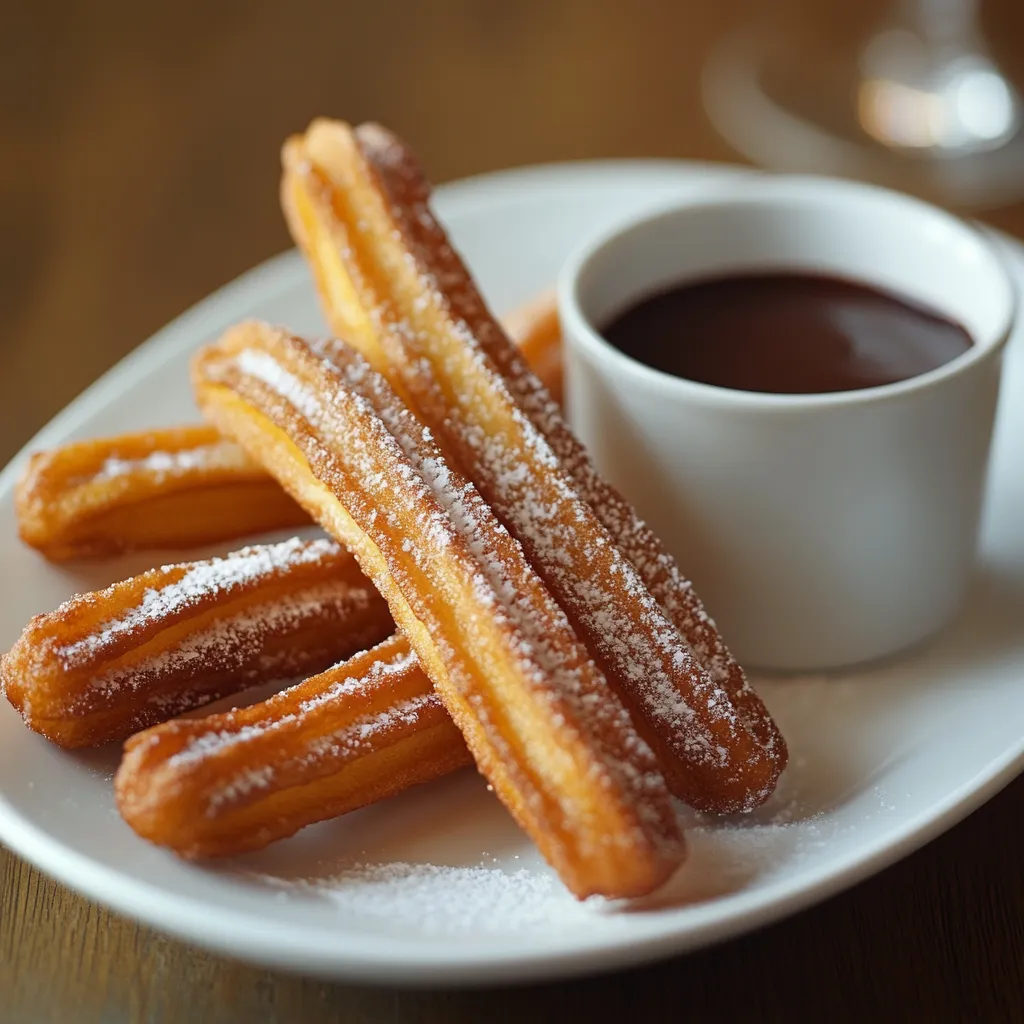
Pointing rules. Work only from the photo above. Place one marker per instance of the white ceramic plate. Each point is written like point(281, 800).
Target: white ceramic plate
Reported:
point(438, 886)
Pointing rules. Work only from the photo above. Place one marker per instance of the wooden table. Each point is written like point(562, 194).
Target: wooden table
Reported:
point(138, 172)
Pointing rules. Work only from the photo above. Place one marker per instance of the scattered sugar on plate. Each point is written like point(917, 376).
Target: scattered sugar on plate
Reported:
point(443, 899)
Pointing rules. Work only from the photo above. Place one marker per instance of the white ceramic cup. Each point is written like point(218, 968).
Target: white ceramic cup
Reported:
point(820, 530)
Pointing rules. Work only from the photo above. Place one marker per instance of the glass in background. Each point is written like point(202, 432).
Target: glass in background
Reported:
point(920, 104)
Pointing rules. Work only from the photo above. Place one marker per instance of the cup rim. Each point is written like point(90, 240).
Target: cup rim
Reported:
point(756, 192)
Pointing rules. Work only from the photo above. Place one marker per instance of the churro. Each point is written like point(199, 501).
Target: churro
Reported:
point(234, 782)
point(170, 489)
point(107, 664)
point(541, 721)
point(390, 281)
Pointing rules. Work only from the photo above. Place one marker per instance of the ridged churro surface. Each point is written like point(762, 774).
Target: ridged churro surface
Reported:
point(358, 205)
point(234, 782)
point(106, 664)
point(538, 715)
point(171, 489)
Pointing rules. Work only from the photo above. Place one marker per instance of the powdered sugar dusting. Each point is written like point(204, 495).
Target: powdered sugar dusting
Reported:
point(211, 742)
point(196, 582)
point(444, 900)
point(332, 748)
point(236, 640)
point(165, 465)
point(387, 871)
point(467, 900)
point(265, 368)
point(308, 732)
point(395, 885)
point(394, 666)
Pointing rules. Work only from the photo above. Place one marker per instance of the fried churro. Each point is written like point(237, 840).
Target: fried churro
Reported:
point(234, 782)
point(107, 664)
point(171, 489)
point(390, 281)
point(541, 721)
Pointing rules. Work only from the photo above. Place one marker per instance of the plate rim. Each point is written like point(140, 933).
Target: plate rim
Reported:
point(371, 957)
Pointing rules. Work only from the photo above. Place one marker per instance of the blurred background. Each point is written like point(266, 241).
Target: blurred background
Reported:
point(139, 141)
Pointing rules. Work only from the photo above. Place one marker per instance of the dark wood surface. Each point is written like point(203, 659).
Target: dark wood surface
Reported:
point(139, 164)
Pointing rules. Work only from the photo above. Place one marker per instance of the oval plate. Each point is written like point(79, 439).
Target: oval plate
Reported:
point(438, 886)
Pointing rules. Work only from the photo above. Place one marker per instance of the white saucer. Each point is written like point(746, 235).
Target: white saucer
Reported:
point(439, 886)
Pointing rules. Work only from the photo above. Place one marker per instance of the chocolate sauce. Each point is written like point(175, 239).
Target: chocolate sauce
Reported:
point(787, 333)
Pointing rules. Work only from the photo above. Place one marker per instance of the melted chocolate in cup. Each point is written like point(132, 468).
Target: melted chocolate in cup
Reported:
point(786, 333)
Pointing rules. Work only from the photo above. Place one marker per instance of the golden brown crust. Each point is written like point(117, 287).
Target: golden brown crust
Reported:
point(106, 664)
point(169, 489)
point(358, 206)
point(231, 783)
point(542, 724)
